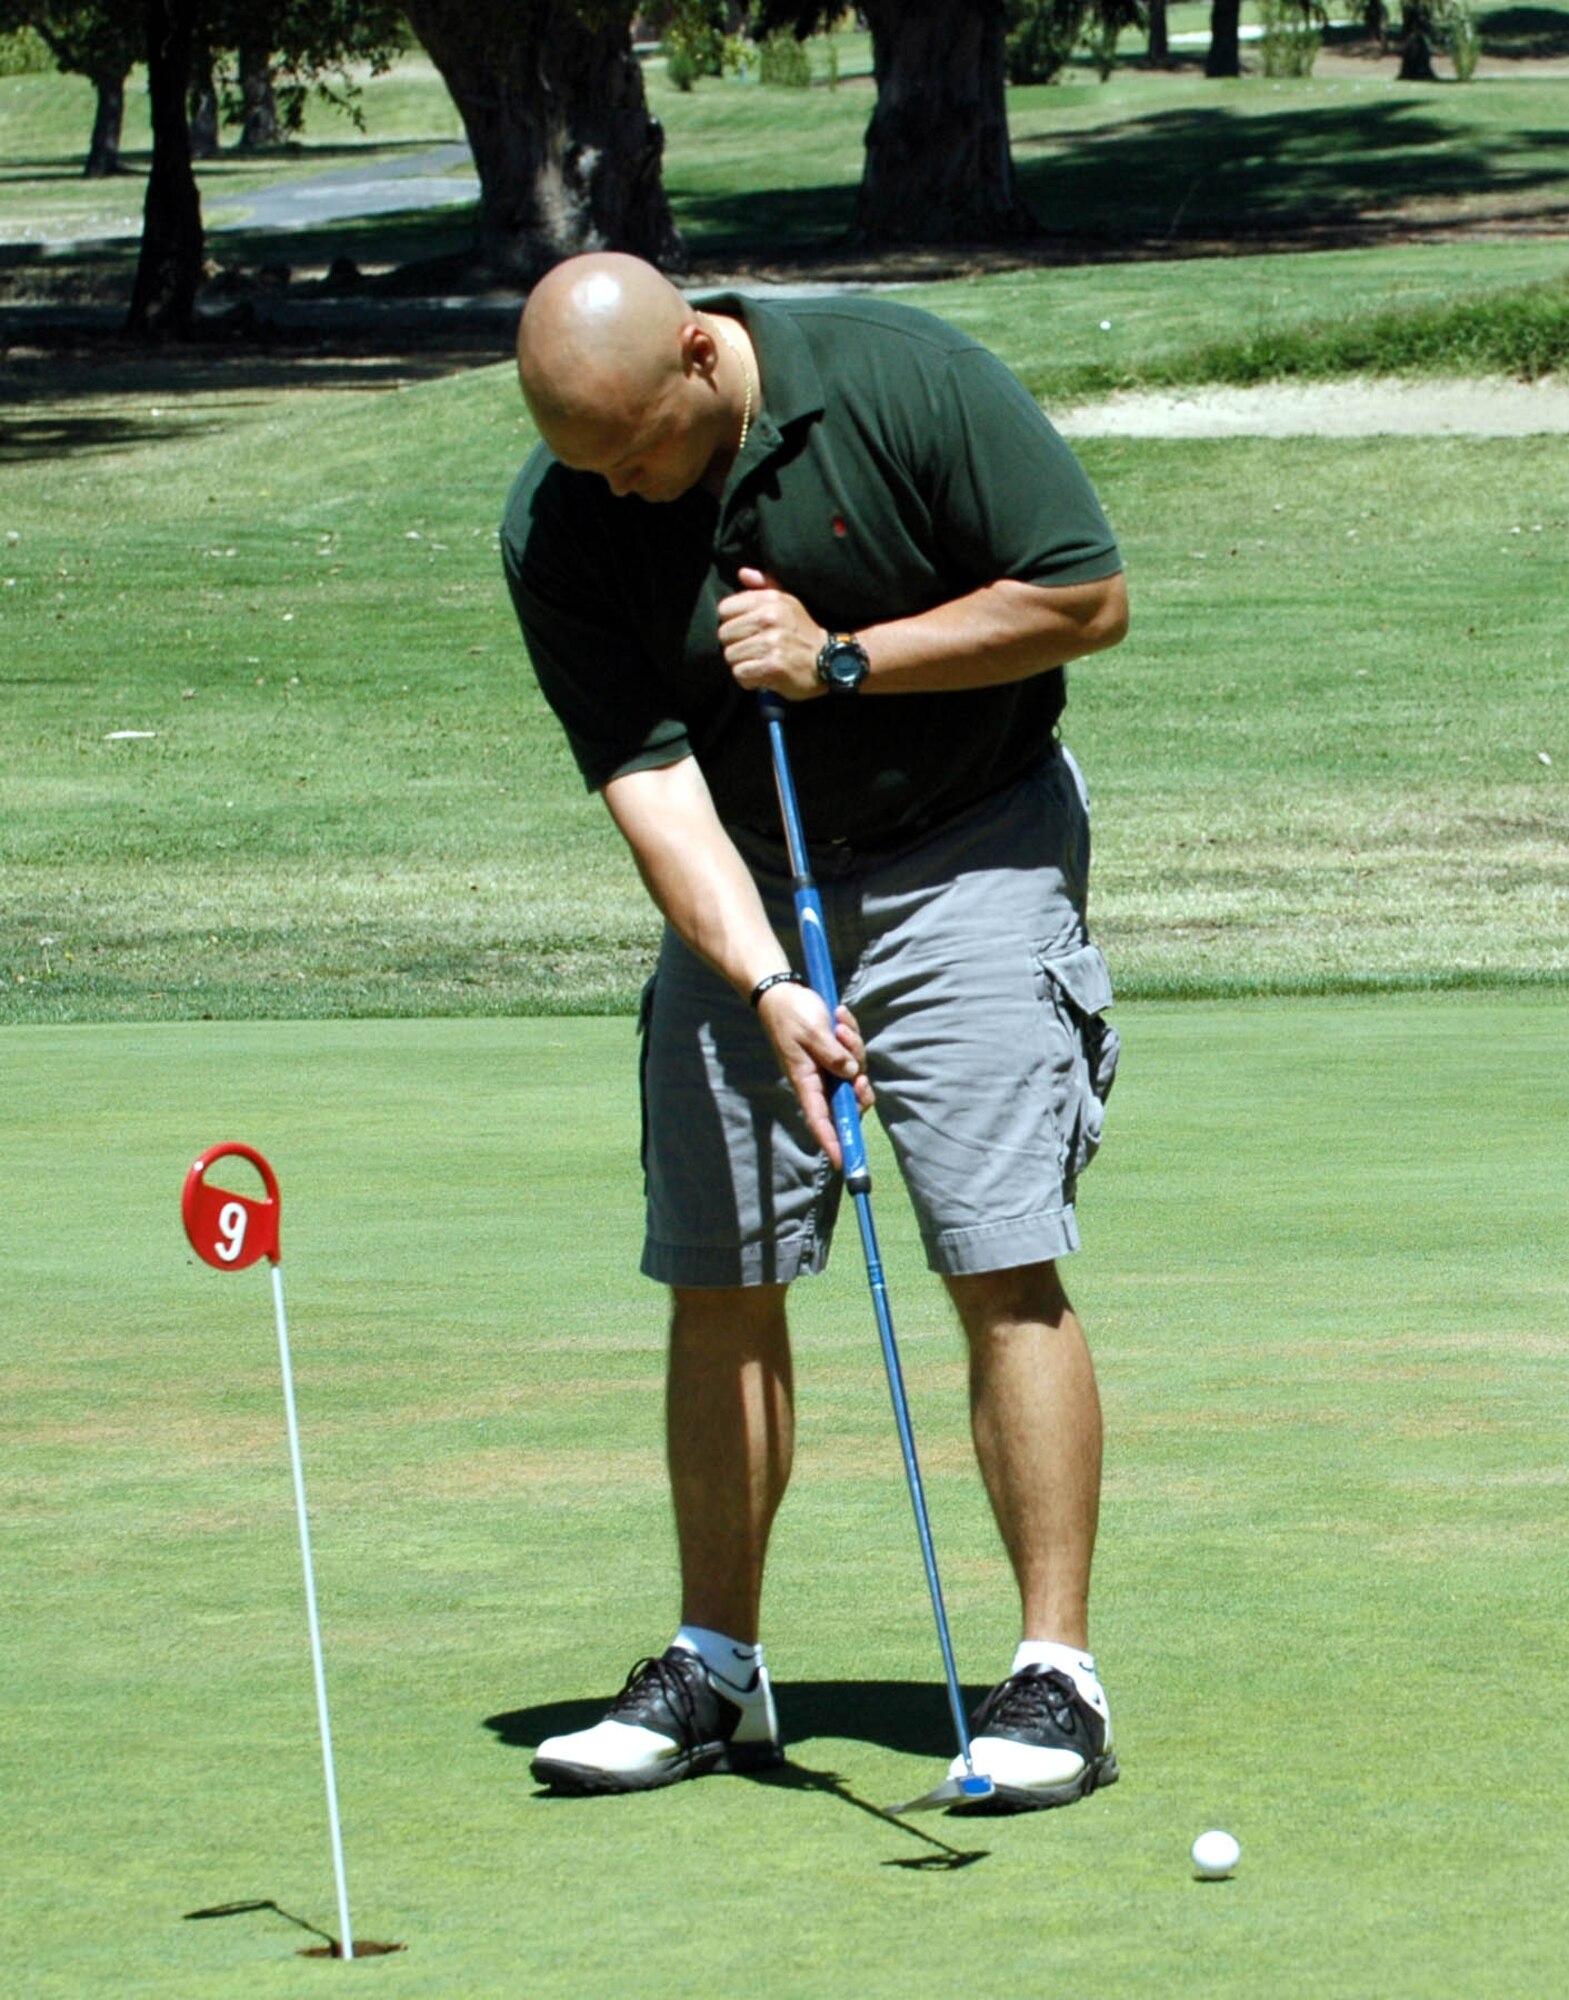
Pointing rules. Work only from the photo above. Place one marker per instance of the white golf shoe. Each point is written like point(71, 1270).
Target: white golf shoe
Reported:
point(1040, 1742)
point(674, 1719)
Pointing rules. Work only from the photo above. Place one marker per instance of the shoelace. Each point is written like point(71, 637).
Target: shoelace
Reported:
point(1028, 1700)
point(656, 1683)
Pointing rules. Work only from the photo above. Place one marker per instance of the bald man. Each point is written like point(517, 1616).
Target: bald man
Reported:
point(854, 506)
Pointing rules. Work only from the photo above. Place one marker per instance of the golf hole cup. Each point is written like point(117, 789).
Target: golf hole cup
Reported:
point(230, 1231)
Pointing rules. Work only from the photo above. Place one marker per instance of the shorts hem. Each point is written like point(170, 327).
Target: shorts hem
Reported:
point(701, 1267)
point(1004, 1246)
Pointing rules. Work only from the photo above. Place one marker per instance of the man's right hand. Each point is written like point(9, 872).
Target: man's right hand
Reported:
point(814, 1054)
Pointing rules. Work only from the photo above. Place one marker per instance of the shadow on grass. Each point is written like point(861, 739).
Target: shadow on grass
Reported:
point(1359, 172)
point(56, 169)
point(23, 440)
point(908, 1716)
point(1205, 178)
point(41, 413)
point(1527, 33)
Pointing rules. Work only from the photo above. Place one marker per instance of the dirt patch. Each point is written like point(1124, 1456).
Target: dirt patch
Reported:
point(1358, 408)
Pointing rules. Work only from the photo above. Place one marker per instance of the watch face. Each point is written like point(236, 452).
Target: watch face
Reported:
point(842, 666)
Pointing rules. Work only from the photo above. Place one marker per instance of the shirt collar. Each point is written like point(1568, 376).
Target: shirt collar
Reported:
point(792, 389)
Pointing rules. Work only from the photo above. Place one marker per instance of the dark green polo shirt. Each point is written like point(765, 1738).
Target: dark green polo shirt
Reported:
point(893, 465)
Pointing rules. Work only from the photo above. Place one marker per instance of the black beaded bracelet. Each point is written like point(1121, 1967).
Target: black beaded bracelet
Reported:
point(776, 979)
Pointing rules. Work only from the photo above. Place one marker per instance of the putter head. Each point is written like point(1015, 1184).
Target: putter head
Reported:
point(972, 1786)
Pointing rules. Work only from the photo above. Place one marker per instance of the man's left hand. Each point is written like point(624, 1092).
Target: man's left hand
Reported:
point(770, 640)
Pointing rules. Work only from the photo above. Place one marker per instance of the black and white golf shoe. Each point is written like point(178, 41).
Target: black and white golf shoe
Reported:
point(1040, 1742)
point(673, 1719)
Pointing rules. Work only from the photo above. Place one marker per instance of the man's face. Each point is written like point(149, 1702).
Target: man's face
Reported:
point(656, 451)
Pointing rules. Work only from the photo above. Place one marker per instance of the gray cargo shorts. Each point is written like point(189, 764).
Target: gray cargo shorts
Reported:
point(967, 962)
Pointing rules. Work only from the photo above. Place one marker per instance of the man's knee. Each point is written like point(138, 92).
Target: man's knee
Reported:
point(1025, 1294)
point(738, 1315)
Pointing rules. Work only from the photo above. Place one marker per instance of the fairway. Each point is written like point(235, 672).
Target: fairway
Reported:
point(1324, 1275)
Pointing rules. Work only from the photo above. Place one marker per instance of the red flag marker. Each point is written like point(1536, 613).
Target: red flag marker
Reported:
point(232, 1231)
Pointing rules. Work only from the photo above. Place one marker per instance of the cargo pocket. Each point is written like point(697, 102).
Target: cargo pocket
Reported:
point(1076, 987)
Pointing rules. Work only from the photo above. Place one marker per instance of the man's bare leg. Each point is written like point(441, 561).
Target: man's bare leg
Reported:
point(1035, 1415)
point(1043, 1734)
point(731, 1429)
point(730, 1420)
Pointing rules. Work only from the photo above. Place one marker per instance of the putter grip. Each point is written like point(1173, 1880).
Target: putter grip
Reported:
point(845, 1111)
point(841, 1097)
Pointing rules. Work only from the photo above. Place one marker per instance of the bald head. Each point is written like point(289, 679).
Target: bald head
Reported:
point(599, 337)
point(627, 380)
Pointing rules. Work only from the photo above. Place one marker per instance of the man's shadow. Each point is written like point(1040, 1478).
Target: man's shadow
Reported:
point(911, 1717)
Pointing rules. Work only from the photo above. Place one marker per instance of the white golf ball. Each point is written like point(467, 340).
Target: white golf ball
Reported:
point(1215, 1855)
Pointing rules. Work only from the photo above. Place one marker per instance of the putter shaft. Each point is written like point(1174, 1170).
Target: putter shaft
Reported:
point(858, 1182)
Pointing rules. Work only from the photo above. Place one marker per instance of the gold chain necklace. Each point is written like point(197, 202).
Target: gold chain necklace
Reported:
point(734, 346)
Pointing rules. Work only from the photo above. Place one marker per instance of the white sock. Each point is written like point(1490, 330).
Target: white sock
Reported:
point(727, 1659)
point(1072, 1660)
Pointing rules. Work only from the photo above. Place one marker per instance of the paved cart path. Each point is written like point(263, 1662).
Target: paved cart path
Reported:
point(428, 179)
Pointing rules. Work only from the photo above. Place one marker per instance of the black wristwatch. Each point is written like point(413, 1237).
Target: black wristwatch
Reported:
point(842, 664)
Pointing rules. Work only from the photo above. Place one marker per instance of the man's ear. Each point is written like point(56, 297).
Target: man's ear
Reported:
point(699, 350)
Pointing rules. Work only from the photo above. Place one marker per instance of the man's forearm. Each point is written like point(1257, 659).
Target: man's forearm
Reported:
point(1007, 631)
point(691, 868)
point(707, 895)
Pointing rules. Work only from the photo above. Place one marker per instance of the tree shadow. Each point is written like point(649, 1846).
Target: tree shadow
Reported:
point(24, 440)
point(1526, 33)
point(1358, 173)
point(49, 385)
point(1195, 180)
point(55, 169)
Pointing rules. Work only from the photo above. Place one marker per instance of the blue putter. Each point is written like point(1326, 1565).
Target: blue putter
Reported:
point(973, 1784)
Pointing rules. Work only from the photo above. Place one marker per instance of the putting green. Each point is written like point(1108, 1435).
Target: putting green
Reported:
point(1324, 1274)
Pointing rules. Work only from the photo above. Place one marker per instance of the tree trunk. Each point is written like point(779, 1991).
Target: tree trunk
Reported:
point(569, 158)
point(1416, 43)
point(260, 124)
point(1159, 50)
point(103, 149)
point(169, 270)
point(1225, 47)
point(202, 107)
point(938, 166)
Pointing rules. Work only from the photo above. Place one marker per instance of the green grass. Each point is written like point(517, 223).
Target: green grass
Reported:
point(1324, 1284)
point(1482, 307)
point(1318, 760)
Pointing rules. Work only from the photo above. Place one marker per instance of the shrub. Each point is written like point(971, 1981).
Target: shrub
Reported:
point(695, 42)
point(1464, 38)
point(1041, 35)
point(24, 54)
point(783, 61)
point(1291, 37)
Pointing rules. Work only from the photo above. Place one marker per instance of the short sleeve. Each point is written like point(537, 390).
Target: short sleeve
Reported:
point(1010, 498)
point(584, 652)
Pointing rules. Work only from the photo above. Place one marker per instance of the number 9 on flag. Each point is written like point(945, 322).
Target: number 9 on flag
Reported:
point(227, 1230)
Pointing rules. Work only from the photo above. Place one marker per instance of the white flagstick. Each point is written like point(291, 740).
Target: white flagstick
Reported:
point(310, 1606)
